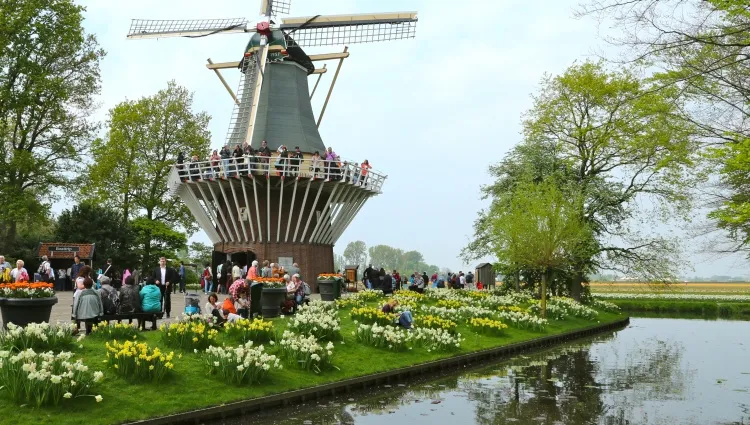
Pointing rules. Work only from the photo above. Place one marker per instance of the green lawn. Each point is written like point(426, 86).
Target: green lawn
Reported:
point(703, 308)
point(189, 387)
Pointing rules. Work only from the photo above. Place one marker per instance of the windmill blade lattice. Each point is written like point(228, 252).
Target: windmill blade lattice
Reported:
point(240, 119)
point(281, 7)
point(349, 29)
point(153, 28)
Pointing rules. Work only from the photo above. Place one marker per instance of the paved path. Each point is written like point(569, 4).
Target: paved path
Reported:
point(62, 310)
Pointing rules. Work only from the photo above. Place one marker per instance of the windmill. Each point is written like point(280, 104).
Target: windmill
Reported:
point(251, 209)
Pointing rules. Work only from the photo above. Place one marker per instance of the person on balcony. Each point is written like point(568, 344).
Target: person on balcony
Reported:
point(215, 161)
point(195, 172)
point(329, 162)
point(265, 153)
point(365, 169)
point(282, 163)
point(315, 164)
point(225, 155)
point(237, 159)
point(251, 160)
point(296, 161)
point(180, 164)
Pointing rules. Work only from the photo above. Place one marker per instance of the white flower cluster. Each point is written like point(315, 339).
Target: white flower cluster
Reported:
point(26, 292)
point(369, 295)
point(445, 294)
point(39, 336)
point(390, 337)
point(522, 297)
point(677, 297)
point(45, 378)
point(495, 301)
point(436, 339)
point(322, 322)
point(206, 318)
point(305, 351)
point(604, 305)
point(469, 311)
point(522, 320)
point(441, 312)
point(573, 307)
point(554, 311)
point(241, 364)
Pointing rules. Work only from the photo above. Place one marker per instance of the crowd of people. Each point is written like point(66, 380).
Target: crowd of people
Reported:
point(245, 160)
point(388, 281)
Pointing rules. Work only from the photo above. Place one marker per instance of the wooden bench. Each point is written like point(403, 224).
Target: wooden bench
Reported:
point(141, 317)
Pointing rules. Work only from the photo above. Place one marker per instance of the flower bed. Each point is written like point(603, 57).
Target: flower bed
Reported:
point(368, 295)
point(138, 361)
point(45, 378)
point(450, 303)
point(188, 335)
point(116, 330)
point(370, 315)
point(305, 352)
point(573, 308)
point(390, 337)
point(255, 330)
point(27, 290)
point(38, 336)
point(487, 326)
point(271, 282)
point(349, 302)
point(522, 320)
point(436, 339)
point(242, 364)
point(675, 297)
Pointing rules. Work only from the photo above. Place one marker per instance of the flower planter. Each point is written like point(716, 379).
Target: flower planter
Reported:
point(271, 301)
point(330, 289)
point(22, 311)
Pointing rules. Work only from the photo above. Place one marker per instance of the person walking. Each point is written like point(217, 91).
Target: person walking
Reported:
point(208, 279)
point(75, 269)
point(182, 277)
point(165, 277)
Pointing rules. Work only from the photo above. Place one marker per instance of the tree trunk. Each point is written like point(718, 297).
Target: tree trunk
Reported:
point(576, 288)
point(517, 276)
point(545, 281)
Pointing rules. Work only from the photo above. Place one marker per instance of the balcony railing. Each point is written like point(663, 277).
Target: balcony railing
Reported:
point(281, 167)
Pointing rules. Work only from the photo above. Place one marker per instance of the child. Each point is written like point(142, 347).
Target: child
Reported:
point(480, 286)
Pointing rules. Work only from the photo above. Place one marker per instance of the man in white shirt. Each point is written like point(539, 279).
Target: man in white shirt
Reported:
point(236, 272)
point(462, 279)
point(165, 277)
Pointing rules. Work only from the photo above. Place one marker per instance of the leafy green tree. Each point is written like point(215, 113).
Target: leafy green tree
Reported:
point(385, 256)
point(356, 253)
point(89, 222)
point(617, 142)
point(539, 228)
point(699, 48)
point(49, 75)
point(339, 262)
point(132, 165)
point(200, 253)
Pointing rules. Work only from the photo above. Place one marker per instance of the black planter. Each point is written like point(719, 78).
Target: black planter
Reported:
point(22, 311)
point(271, 301)
point(330, 289)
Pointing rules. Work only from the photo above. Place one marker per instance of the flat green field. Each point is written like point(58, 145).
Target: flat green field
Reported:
point(190, 387)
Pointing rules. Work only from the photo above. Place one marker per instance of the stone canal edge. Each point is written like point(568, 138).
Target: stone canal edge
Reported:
point(339, 387)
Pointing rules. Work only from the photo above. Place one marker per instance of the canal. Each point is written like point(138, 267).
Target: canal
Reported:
point(655, 371)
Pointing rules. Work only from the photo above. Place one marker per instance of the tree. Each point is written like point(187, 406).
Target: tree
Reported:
point(356, 253)
point(385, 256)
point(620, 145)
point(540, 228)
point(49, 75)
point(89, 222)
point(701, 49)
point(200, 253)
point(154, 239)
point(339, 262)
point(132, 164)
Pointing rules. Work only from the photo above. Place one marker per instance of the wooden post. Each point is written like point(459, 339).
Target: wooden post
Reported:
point(330, 90)
point(223, 81)
point(317, 82)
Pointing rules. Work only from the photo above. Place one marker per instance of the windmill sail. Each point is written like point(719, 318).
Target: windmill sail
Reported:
point(151, 28)
point(240, 119)
point(330, 30)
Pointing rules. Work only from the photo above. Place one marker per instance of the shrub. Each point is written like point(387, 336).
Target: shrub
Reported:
point(390, 337)
point(257, 330)
point(118, 331)
point(188, 335)
point(487, 326)
point(370, 315)
point(242, 364)
point(306, 352)
point(138, 361)
point(38, 336)
point(45, 378)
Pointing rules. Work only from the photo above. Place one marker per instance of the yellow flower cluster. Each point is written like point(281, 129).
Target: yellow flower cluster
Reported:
point(370, 315)
point(435, 322)
point(188, 335)
point(488, 326)
point(450, 303)
point(256, 330)
point(408, 295)
point(138, 360)
point(477, 294)
point(511, 308)
point(349, 302)
point(115, 331)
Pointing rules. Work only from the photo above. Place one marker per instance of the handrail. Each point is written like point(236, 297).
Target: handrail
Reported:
point(284, 167)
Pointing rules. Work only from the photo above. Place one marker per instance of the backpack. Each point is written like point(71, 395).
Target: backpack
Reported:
point(110, 301)
point(308, 291)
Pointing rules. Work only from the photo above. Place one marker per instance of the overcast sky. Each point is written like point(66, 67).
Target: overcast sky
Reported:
point(432, 112)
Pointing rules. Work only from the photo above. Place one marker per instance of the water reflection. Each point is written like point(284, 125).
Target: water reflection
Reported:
point(657, 371)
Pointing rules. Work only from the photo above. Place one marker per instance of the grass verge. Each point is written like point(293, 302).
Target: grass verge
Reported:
point(190, 387)
point(702, 308)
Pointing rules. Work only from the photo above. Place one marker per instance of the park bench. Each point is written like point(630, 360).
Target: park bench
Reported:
point(141, 317)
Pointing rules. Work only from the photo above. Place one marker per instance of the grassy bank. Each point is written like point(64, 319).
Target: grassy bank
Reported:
point(701, 308)
point(190, 387)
